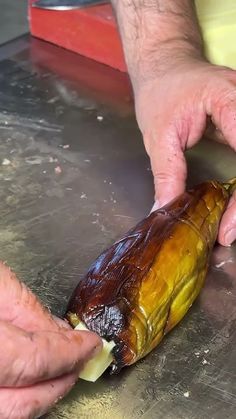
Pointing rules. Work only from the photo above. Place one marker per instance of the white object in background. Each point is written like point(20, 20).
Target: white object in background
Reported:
point(217, 19)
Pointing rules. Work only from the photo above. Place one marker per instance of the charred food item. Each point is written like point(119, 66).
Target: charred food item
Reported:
point(143, 285)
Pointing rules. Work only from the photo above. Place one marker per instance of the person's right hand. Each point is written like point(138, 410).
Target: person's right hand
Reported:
point(173, 109)
point(40, 356)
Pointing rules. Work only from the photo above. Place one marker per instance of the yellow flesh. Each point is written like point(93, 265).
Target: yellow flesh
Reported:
point(96, 366)
point(169, 288)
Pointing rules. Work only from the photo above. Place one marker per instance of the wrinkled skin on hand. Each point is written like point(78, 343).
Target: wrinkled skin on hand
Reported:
point(173, 109)
point(40, 356)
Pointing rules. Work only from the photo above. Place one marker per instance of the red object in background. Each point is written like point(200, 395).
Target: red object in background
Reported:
point(91, 32)
point(102, 83)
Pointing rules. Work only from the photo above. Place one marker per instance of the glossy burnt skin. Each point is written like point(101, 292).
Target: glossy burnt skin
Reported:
point(144, 284)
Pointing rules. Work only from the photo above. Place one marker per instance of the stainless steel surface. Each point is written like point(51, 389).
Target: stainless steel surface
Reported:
point(54, 224)
point(66, 4)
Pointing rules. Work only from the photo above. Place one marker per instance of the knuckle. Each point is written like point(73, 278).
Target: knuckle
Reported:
point(162, 176)
point(168, 177)
point(219, 82)
point(170, 169)
point(223, 105)
point(226, 95)
point(225, 92)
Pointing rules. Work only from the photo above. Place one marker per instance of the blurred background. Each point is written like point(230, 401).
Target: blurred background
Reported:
point(13, 19)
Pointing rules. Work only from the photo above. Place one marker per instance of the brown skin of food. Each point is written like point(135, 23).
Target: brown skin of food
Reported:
point(144, 284)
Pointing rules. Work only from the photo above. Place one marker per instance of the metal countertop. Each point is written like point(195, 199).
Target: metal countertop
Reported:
point(75, 178)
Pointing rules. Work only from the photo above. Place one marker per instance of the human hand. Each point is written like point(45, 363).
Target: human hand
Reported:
point(173, 110)
point(40, 356)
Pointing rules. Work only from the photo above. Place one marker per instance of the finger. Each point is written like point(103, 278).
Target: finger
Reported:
point(62, 323)
point(223, 111)
point(35, 401)
point(27, 358)
point(168, 167)
point(227, 231)
point(20, 306)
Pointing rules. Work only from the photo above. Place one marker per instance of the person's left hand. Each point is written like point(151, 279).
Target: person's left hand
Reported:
point(40, 356)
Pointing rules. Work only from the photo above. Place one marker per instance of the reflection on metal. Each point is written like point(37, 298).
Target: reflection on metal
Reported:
point(66, 4)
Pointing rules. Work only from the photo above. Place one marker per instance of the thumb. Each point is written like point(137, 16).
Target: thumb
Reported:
point(227, 231)
point(169, 168)
point(27, 358)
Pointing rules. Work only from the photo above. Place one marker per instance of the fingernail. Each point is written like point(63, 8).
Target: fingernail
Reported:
point(156, 206)
point(62, 323)
point(230, 237)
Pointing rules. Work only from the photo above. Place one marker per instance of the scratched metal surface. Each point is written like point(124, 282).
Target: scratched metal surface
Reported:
point(53, 225)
